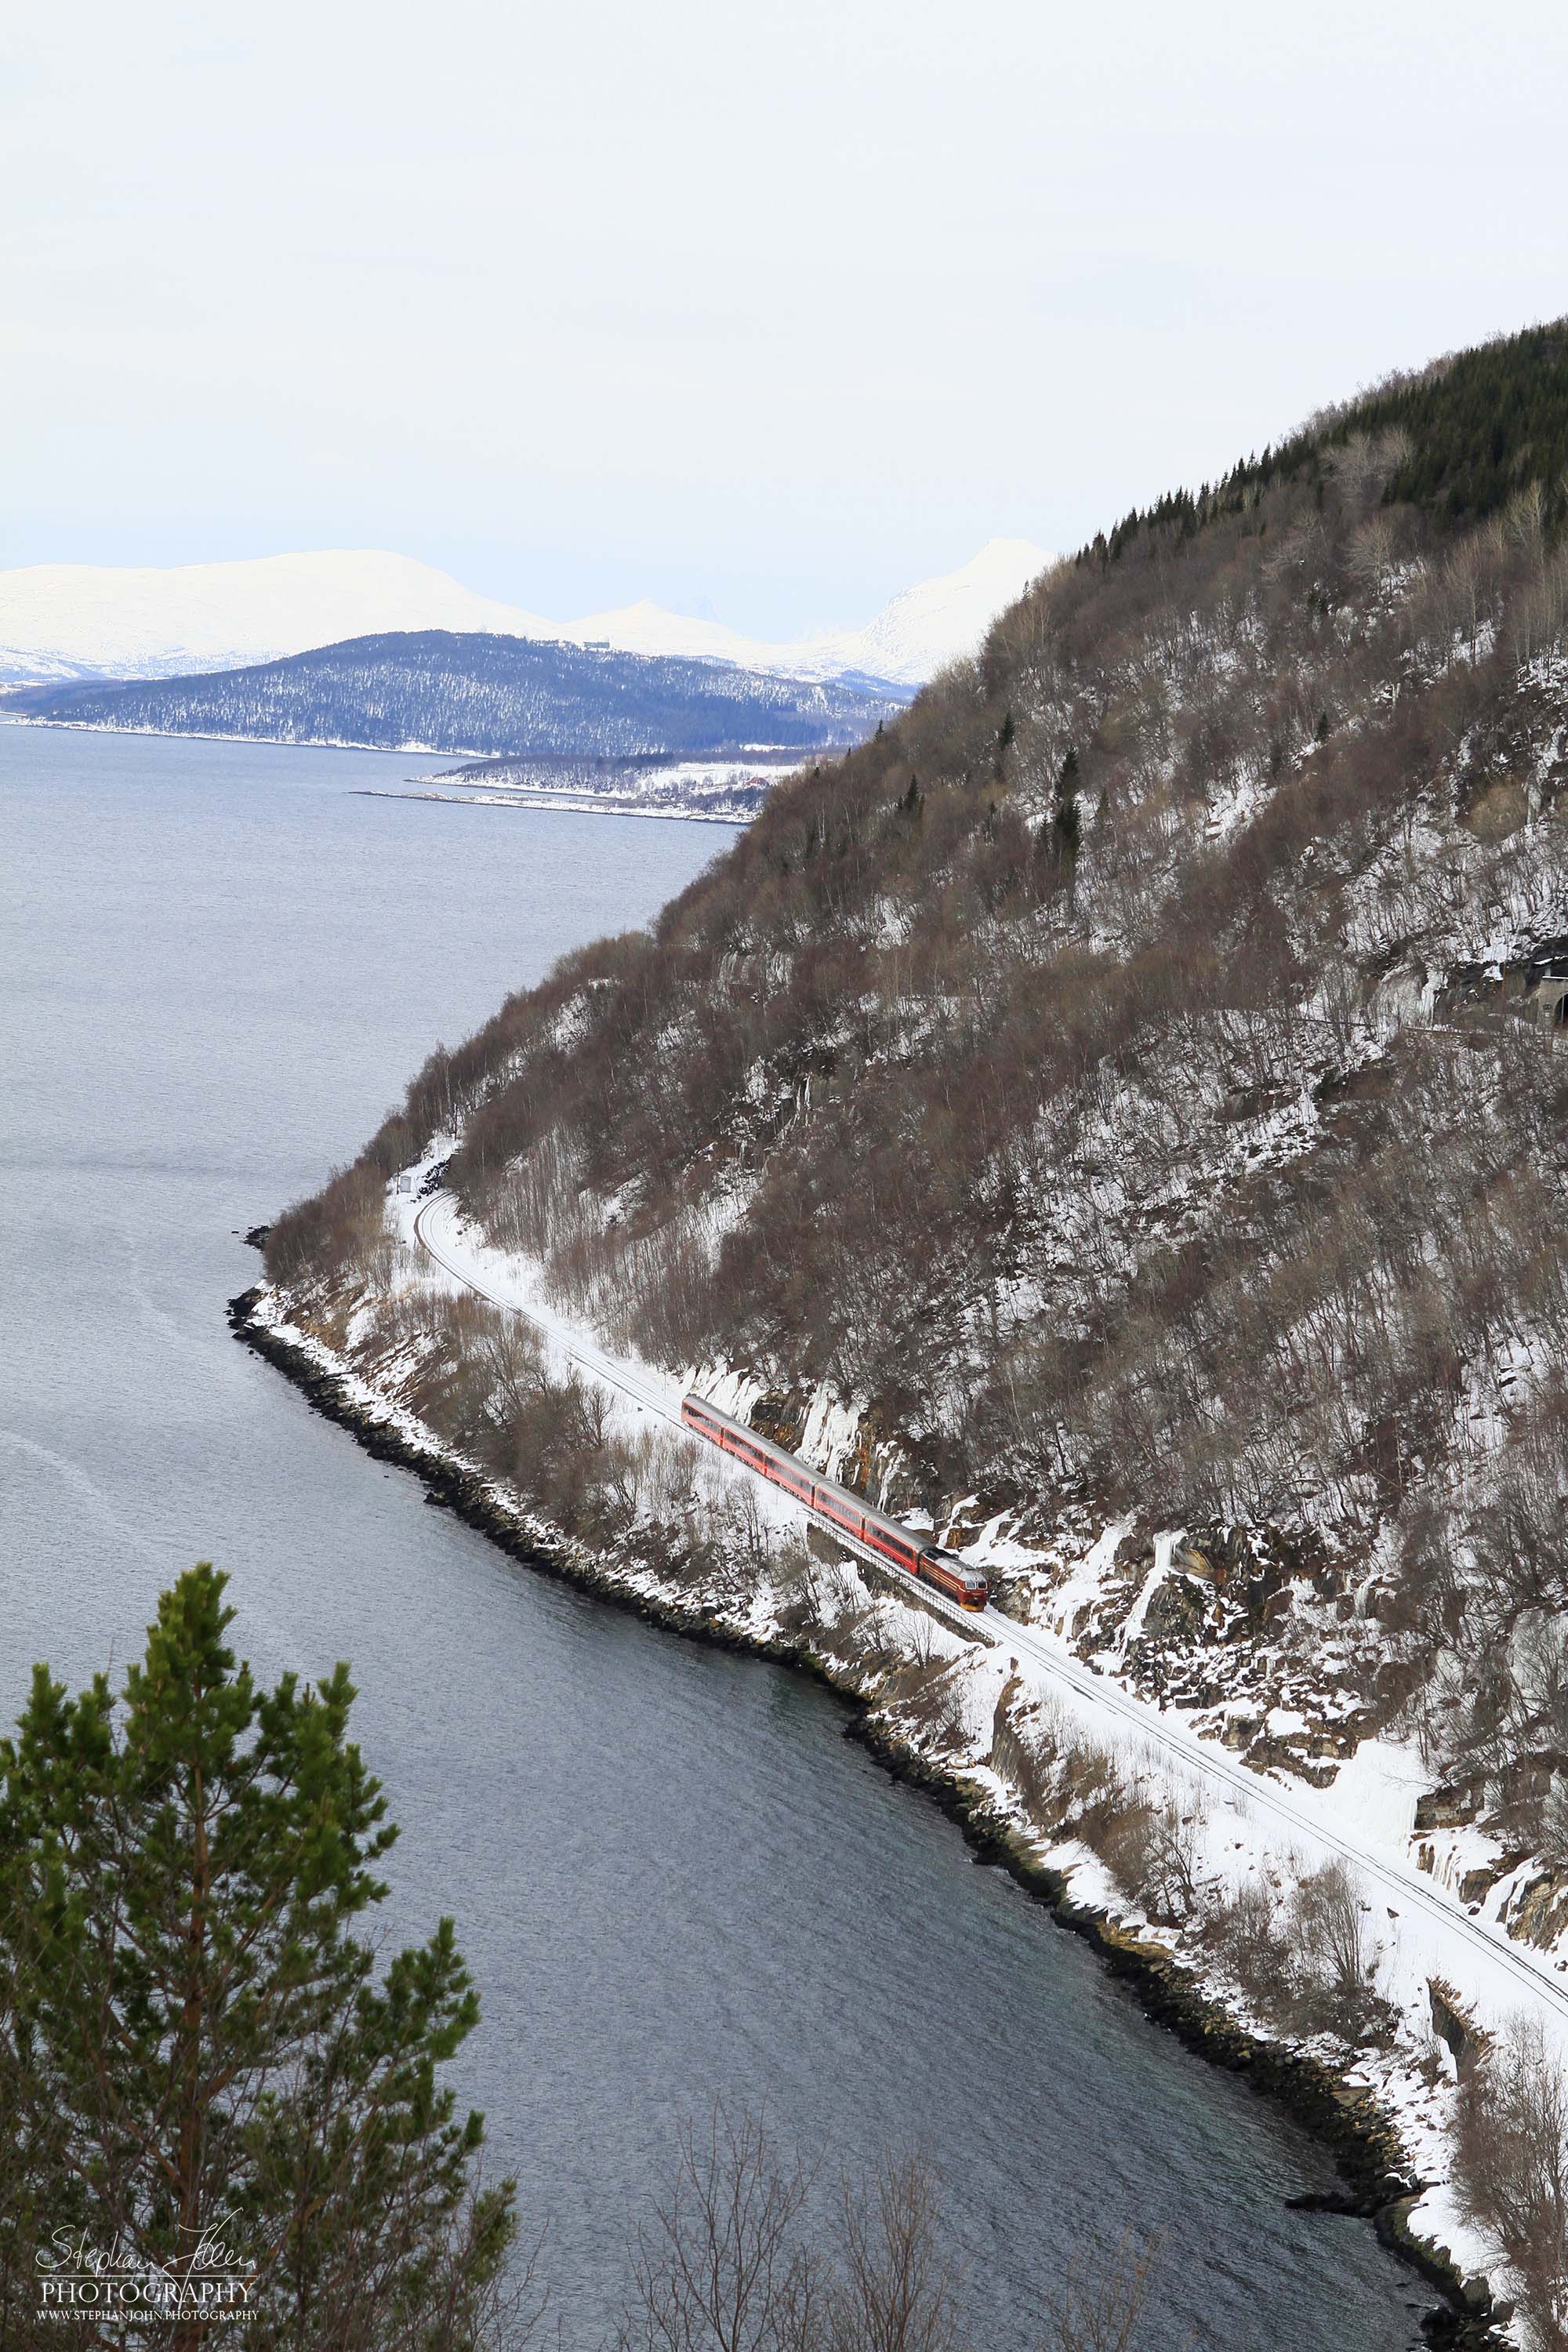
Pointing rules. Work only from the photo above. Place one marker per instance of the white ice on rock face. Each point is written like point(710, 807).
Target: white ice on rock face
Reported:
point(71, 620)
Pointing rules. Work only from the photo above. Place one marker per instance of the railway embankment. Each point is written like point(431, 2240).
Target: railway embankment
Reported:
point(919, 1700)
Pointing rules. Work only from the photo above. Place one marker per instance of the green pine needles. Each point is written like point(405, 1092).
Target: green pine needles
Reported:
point(203, 2075)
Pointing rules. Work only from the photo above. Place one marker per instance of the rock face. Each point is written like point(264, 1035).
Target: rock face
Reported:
point(1446, 1809)
point(1452, 2022)
point(1537, 1912)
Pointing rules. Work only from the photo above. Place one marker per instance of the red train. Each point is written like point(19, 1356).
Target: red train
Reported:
point(928, 1563)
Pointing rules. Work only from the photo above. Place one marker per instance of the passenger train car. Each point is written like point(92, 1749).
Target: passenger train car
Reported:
point(837, 1505)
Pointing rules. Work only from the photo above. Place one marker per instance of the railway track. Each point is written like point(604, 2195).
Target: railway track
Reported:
point(1198, 1759)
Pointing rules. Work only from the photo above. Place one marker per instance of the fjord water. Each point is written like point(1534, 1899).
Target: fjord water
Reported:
point(673, 1877)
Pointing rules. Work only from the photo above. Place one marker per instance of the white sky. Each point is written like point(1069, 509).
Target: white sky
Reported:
point(781, 306)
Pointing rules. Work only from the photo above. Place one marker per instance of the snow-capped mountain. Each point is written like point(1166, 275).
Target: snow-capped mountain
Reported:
point(75, 620)
point(907, 642)
point(940, 620)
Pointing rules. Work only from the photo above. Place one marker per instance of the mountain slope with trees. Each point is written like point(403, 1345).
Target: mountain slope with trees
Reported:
point(1130, 1080)
point(443, 690)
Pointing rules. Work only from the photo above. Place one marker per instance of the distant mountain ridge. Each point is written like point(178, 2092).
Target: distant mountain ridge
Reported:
point(478, 694)
point(919, 632)
point(60, 622)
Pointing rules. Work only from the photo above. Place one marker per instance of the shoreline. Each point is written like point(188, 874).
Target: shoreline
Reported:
point(551, 808)
point(1347, 2121)
point(201, 735)
point(581, 805)
point(799, 754)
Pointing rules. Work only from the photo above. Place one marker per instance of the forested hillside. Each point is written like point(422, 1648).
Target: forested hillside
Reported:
point(442, 691)
point(1131, 1082)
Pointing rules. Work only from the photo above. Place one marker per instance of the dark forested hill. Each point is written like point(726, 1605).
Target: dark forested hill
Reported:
point(1132, 1082)
point(441, 691)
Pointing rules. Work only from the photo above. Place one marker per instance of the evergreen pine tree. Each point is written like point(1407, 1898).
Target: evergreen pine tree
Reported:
point(1004, 735)
point(192, 2037)
point(1069, 822)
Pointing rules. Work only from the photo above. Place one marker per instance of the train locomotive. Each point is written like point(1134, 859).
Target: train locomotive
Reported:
point(839, 1506)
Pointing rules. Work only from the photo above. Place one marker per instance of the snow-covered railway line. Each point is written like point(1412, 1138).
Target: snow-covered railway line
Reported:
point(1267, 1797)
point(1295, 1816)
point(582, 1351)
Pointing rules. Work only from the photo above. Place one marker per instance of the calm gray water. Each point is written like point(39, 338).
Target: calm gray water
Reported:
point(673, 1876)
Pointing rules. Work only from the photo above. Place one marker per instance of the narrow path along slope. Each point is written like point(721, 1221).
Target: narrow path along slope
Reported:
point(1435, 1932)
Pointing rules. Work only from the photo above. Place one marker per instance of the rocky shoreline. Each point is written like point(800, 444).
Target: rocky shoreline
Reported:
point(1348, 2122)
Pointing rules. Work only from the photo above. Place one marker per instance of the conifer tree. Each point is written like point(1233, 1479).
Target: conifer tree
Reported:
point(1005, 735)
point(195, 2043)
point(1068, 823)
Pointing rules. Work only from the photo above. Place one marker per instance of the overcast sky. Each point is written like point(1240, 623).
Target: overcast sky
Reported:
point(782, 306)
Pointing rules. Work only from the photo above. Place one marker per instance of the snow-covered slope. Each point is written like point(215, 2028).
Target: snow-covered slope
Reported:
point(75, 620)
point(71, 620)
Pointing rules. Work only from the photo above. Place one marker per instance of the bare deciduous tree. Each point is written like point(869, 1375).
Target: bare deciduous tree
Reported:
point(894, 2288)
point(1329, 1921)
point(1102, 2311)
point(740, 2257)
point(719, 2268)
point(1513, 2169)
